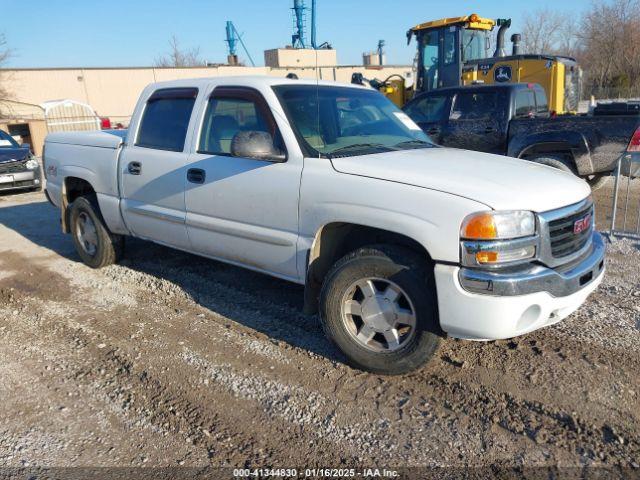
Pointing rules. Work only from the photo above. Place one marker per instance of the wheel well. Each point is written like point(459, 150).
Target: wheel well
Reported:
point(334, 241)
point(554, 149)
point(73, 188)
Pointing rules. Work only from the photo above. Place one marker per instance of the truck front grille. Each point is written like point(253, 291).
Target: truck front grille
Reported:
point(565, 239)
point(13, 167)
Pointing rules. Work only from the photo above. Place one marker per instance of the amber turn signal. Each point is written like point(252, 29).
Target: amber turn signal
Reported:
point(486, 257)
point(480, 227)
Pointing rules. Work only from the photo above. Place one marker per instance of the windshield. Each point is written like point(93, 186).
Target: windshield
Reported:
point(341, 121)
point(6, 141)
point(474, 45)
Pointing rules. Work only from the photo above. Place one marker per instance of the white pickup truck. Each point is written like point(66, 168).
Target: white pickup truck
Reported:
point(397, 241)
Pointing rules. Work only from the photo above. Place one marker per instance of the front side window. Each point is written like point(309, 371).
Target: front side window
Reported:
point(224, 118)
point(340, 121)
point(166, 119)
point(474, 106)
point(427, 109)
point(525, 104)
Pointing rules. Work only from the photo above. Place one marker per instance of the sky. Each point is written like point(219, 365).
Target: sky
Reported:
point(108, 33)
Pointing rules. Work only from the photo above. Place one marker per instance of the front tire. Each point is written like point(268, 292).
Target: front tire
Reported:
point(378, 305)
point(95, 244)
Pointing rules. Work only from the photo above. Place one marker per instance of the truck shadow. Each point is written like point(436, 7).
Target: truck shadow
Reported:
point(262, 303)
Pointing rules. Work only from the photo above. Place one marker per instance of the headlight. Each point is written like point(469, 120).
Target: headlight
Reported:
point(498, 225)
point(494, 239)
point(31, 164)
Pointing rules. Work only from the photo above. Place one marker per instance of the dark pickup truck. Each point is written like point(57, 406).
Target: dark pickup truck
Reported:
point(514, 120)
point(19, 170)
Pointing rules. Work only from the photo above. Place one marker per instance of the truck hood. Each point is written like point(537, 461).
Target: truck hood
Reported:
point(13, 154)
point(502, 183)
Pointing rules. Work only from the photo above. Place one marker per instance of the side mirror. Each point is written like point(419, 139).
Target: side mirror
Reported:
point(26, 145)
point(258, 145)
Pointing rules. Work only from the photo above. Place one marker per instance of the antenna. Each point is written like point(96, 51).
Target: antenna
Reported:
point(232, 37)
point(313, 25)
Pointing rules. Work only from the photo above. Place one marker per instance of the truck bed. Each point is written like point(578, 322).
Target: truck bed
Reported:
point(103, 139)
point(607, 136)
point(87, 155)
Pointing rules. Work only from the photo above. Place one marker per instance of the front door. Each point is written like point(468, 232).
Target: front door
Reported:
point(153, 169)
point(242, 210)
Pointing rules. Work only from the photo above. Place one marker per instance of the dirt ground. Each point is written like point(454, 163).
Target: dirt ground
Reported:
point(168, 360)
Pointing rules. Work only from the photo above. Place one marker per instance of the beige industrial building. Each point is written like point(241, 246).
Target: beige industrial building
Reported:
point(373, 59)
point(112, 92)
point(300, 57)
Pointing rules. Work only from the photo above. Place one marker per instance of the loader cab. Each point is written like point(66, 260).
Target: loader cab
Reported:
point(444, 46)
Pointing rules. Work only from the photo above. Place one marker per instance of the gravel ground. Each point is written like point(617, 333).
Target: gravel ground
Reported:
point(170, 360)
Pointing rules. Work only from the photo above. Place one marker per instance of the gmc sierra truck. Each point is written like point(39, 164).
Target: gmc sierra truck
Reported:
point(397, 241)
point(514, 120)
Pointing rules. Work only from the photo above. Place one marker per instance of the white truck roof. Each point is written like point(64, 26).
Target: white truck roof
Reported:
point(256, 81)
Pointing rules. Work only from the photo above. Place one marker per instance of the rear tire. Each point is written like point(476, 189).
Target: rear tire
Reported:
point(597, 181)
point(391, 325)
point(556, 161)
point(95, 244)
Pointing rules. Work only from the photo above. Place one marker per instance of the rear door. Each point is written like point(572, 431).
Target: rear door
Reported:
point(476, 122)
point(153, 168)
point(242, 210)
point(430, 112)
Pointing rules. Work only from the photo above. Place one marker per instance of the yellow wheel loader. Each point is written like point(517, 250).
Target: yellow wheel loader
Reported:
point(457, 51)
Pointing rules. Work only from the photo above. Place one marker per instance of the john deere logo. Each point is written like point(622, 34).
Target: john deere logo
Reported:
point(502, 74)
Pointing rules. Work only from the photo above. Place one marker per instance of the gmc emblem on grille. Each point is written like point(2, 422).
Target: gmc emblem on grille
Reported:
point(581, 225)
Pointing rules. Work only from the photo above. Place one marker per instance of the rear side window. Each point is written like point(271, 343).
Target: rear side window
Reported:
point(525, 104)
point(166, 119)
point(427, 109)
point(225, 117)
point(474, 106)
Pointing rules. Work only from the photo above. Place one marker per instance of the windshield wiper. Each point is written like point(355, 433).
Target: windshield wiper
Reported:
point(361, 146)
point(413, 143)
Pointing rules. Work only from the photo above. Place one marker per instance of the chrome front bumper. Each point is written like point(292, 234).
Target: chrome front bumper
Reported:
point(18, 180)
point(559, 282)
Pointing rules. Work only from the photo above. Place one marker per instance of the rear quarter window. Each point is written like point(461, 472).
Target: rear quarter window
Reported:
point(525, 104)
point(542, 104)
